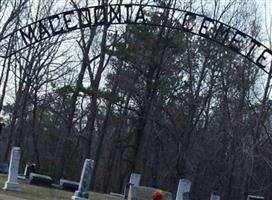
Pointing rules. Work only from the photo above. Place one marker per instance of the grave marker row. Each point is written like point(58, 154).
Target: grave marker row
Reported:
point(12, 185)
point(135, 192)
point(184, 188)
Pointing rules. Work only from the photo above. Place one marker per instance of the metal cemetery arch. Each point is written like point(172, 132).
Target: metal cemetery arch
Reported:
point(197, 24)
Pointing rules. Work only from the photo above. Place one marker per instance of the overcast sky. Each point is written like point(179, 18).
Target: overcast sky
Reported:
point(266, 6)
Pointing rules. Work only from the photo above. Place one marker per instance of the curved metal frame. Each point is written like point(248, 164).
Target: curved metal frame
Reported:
point(112, 14)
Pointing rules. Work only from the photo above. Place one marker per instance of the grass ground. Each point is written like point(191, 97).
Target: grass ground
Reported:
point(32, 192)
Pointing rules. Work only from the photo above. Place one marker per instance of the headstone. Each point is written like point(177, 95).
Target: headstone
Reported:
point(215, 196)
point(85, 179)
point(184, 188)
point(251, 197)
point(11, 184)
point(146, 193)
point(39, 179)
point(134, 180)
point(4, 167)
point(69, 185)
point(29, 168)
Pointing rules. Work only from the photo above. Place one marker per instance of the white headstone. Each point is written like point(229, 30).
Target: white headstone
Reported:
point(184, 188)
point(85, 179)
point(11, 184)
point(251, 197)
point(135, 179)
point(215, 196)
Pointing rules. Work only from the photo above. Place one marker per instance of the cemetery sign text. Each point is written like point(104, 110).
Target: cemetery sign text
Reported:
point(91, 17)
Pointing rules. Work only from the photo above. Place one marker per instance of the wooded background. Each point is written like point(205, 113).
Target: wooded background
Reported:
point(151, 100)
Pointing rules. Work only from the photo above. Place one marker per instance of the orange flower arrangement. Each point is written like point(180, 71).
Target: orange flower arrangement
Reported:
point(157, 195)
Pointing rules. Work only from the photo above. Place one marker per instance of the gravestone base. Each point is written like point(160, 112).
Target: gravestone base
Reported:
point(78, 198)
point(117, 195)
point(10, 186)
point(39, 179)
point(69, 185)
